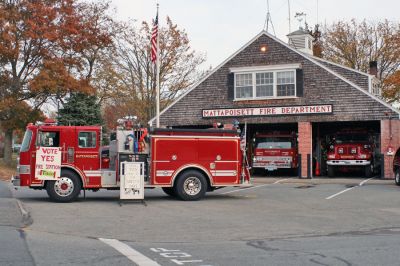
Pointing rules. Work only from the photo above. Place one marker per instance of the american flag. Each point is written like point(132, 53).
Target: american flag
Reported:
point(154, 35)
point(243, 138)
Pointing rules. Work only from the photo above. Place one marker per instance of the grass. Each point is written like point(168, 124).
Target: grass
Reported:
point(6, 171)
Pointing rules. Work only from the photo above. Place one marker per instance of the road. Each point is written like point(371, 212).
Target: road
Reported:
point(279, 221)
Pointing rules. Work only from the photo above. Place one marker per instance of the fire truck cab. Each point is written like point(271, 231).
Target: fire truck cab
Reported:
point(185, 163)
point(352, 149)
point(275, 150)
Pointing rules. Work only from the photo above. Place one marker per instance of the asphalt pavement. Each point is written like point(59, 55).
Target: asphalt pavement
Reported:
point(14, 249)
point(278, 221)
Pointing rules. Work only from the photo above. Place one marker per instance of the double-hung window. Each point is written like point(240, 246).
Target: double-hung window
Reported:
point(253, 83)
point(285, 83)
point(244, 86)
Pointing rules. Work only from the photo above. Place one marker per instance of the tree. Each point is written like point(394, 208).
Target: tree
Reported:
point(47, 49)
point(80, 110)
point(392, 86)
point(133, 74)
point(355, 44)
point(20, 116)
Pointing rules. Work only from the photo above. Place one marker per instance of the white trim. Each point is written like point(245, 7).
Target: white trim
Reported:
point(264, 68)
point(258, 70)
point(223, 172)
point(266, 98)
point(338, 65)
point(164, 172)
point(194, 137)
point(306, 56)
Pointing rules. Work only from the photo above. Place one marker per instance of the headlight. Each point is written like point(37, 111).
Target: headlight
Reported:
point(353, 150)
point(340, 150)
point(254, 159)
point(331, 156)
point(363, 156)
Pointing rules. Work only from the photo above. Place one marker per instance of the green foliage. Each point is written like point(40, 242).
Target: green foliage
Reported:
point(80, 110)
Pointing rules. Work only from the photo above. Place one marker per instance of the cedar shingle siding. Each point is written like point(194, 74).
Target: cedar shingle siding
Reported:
point(319, 87)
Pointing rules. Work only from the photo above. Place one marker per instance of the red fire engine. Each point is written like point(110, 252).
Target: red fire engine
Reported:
point(185, 163)
point(351, 149)
point(275, 150)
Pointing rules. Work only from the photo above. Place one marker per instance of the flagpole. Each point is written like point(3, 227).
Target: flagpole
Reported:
point(158, 76)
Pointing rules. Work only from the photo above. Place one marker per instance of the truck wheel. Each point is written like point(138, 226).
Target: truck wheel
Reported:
point(397, 177)
point(169, 191)
point(368, 170)
point(191, 185)
point(65, 189)
point(331, 171)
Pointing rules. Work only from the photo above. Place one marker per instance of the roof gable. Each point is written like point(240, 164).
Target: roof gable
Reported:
point(309, 58)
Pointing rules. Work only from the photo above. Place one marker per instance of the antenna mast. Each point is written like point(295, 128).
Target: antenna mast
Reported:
point(268, 20)
point(290, 28)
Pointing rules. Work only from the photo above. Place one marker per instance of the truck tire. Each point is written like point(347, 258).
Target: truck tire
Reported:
point(169, 191)
point(397, 177)
point(368, 170)
point(65, 189)
point(331, 171)
point(191, 185)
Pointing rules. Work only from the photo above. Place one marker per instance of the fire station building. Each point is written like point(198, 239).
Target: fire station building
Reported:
point(272, 85)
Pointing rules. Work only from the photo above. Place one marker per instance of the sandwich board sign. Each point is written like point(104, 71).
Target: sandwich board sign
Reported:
point(132, 180)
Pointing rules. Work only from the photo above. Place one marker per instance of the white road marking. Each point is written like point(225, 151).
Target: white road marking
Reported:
point(365, 181)
point(337, 194)
point(280, 180)
point(350, 188)
point(129, 252)
point(242, 189)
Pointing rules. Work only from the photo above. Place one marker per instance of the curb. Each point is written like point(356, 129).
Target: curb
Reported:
point(26, 216)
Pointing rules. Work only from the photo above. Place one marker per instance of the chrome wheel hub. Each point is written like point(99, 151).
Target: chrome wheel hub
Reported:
point(192, 186)
point(64, 186)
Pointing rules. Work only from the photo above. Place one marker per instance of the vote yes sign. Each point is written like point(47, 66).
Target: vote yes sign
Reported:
point(48, 163)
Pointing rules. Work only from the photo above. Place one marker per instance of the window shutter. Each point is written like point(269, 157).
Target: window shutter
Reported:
point(231, 86)
point(299, 82)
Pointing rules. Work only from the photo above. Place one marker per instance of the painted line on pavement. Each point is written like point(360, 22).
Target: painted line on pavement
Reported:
point(347, 189)
point(242, 189)
point(280, 180)
point(129, 252)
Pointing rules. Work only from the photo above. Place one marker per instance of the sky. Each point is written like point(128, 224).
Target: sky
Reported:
point(218, 28)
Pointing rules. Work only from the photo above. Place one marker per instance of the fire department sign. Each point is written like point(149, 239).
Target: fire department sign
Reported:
point(48, 163)
point(269, 111)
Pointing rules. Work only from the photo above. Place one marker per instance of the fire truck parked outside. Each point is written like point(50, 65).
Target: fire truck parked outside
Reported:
point(185, 163)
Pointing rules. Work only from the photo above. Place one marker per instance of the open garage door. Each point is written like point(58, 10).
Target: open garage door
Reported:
point(346, 149)
point(273, 149)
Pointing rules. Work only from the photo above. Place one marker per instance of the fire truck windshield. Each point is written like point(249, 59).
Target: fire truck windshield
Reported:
point(26, 141)
point(350, 138)
point(274, 143)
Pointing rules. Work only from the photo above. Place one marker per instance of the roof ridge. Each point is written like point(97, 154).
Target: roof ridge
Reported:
point(339, 65)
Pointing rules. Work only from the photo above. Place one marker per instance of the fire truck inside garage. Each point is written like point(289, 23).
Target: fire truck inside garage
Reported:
point(339, 149)
point(346, 149)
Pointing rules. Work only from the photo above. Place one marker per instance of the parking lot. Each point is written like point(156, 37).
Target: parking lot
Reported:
point(278, 221)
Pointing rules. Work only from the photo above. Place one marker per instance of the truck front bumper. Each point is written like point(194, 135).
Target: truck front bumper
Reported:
point(348, 162)
point(16, 181)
